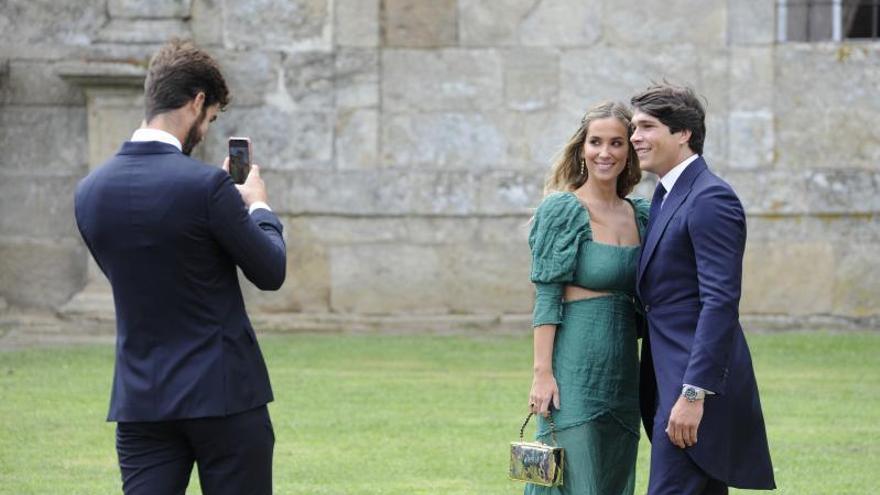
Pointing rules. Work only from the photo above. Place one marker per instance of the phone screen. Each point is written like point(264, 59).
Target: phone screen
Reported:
point(239, 159)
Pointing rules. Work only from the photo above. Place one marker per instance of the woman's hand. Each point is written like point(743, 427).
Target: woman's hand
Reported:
point(544, 392)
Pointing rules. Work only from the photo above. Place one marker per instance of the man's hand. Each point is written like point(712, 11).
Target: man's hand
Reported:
point(253, 189)
point(684, 420)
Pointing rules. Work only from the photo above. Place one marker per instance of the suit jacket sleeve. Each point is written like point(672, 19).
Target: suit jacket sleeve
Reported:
point(717, 229)
point(253, 241)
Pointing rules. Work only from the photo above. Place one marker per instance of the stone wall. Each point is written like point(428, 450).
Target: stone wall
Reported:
point(405, 141)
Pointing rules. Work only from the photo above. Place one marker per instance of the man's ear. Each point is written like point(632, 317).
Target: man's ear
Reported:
point(685, 136)
point(198, 103)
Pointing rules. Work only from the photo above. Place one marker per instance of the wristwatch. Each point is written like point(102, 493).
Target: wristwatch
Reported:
point(692, 394)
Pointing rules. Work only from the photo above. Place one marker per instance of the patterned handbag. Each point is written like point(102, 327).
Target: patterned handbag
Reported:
point(536, 462)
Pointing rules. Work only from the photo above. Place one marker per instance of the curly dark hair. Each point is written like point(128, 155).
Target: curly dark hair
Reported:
point(177, 73)
point(677, 107)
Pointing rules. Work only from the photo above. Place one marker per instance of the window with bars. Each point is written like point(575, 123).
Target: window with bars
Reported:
point(827, 20)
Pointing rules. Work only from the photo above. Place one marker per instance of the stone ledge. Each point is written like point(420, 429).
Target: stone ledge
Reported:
point(103, 73)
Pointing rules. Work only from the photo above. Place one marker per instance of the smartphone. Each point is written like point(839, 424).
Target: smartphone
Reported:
point(240, 152)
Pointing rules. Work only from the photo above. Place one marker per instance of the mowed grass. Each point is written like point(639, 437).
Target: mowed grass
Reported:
point(379, 414)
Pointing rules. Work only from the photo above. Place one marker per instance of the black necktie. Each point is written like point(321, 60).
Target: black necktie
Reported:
point(656, 202)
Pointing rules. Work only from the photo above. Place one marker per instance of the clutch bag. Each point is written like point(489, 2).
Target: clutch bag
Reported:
point(536, 462)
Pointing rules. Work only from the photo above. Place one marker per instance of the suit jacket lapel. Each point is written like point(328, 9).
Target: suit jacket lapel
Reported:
point(674, 199)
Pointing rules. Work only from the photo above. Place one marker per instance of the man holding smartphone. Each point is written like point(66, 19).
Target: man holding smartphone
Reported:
point(190, 384)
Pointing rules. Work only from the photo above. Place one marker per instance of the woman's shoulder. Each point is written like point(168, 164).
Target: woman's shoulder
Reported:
point(558, 204)
point(642, 207)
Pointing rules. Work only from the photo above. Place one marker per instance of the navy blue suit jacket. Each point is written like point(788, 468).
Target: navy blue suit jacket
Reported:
point(168, 232)
point(689, 278)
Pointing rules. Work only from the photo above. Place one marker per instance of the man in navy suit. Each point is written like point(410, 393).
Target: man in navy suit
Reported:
point(168, 231)
point(700, 400)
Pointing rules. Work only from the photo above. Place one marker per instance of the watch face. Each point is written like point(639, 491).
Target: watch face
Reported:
point(690, 394)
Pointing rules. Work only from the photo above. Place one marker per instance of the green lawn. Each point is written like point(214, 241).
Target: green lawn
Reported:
point(371, 414)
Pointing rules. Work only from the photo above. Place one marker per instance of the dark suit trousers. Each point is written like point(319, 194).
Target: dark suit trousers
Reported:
point(233, 454)
point(673, 472)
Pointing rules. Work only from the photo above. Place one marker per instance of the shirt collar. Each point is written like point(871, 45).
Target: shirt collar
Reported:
point(672, 176)
point(145, 134)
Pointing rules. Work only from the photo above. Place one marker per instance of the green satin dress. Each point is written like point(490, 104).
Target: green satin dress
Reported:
point(595, 353)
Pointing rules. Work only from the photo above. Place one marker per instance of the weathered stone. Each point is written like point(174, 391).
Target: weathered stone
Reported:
point(768, 192)
point(308, 79)
point(535, 138)
point(529, 23)
point(415, 23)
point(856, 279)
point(250, 75)
point(388, 282)
point(751, 22)
point(337, 229)
point(510, 193)
point(843, 191)
point(837, 102)
point(444, 140)
point(155, 31)
point(45, 202)
point(357, 78)
point(41, 273)
point(531, 78)
point(751, 79)
point(114, 114)
point(447, 80)
point(676, 22)
point(43, 140)
point(281, 140)
point(36, 83)
point(205, 22)
point(776, 281)
point(149, 10)
point(283, 25)
point(357, 139)
point(506, 229)
point(751, 139)
point(487, 277)
point(36, 22)
point(862, 229)
point(357, 23)
point(306, 285)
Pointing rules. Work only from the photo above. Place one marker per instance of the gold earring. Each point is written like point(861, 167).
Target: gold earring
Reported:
point(583, 166)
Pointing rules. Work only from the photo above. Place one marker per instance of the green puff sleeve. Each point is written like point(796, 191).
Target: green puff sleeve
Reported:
point(559, 225)
point(643, 210)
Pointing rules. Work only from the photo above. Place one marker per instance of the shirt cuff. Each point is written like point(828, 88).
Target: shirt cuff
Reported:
point(708, 392)
point(256, 205)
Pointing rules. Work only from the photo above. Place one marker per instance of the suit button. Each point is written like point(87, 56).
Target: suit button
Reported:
point(647, 308)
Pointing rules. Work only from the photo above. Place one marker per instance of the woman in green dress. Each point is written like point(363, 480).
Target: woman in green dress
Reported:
point(585, 243)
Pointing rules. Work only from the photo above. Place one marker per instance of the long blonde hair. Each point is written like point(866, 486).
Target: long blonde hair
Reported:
point(565, 174)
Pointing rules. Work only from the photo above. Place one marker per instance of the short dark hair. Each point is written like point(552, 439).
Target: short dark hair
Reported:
point(677, 107)
point(177, 73)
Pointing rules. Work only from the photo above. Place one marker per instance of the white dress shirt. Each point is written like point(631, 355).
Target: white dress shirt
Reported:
point(147, 134)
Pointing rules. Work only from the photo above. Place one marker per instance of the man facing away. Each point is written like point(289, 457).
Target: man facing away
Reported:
point(700, 400)
point(168, 231)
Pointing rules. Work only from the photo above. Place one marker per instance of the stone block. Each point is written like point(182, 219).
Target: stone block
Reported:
point(751, 139)
point(788, 278)
point(529, 23)
point(442, 141)
point(43, 140)
point(751, 22)
point(356, 79)
point(856, 279)
point(531, 78)
point(357, 139)
point(386, 278)
point(768, 192)
point(149, 10)
point(206, 22)
point(506, 229)
point(281, 140)
point(843, 191)
point(357, 23)
point(480, 278)
point(751, 79)
point(419, 230)
point(282, 25)
point(676, 22)
point(308, 80)
point(836, 102)
point(24, 23)
point(442, 80)
point(154, 31)
point(36, 83)
point(510, 193)
point(415, 23)
point(41, 273)
point(250, 75)
point(535, 138)
point(36, 206)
